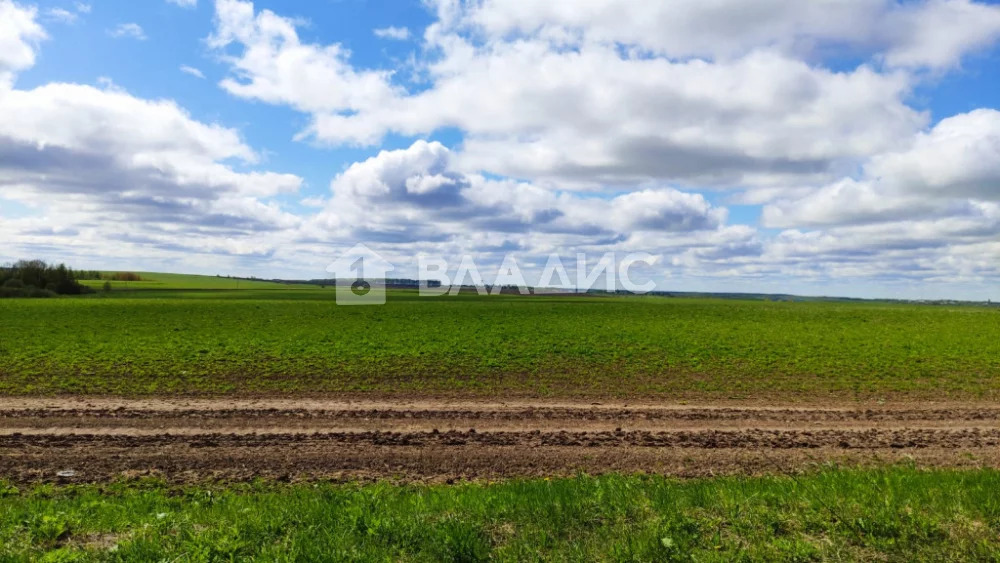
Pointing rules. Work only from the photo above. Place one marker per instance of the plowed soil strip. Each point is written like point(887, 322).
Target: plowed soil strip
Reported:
point(316, 439)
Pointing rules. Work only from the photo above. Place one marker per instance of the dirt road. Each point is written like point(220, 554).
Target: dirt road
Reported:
point(99, 439)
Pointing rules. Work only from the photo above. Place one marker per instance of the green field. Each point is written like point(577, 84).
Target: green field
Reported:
point(893, 513)
point(298, 339)
point(161, 281)
point(199, 335)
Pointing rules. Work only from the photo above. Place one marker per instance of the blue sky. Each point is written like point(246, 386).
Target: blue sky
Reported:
point(851, 151)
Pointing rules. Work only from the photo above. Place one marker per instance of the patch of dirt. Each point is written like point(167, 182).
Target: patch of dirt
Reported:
point(100, 439)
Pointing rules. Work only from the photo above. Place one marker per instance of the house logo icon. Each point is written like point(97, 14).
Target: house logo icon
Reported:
point(360, 273)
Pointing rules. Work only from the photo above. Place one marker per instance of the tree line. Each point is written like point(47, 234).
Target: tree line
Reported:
point(35, 278)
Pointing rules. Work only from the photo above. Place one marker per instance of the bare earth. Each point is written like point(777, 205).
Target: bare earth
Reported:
point(191, 440)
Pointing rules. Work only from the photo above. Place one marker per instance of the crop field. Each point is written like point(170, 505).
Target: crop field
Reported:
point(183, 418)
point(294, 340)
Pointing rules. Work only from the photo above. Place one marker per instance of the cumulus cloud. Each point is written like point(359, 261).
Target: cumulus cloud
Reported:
point(928, 211)
point(959, 157)
point(688, 92)
point(941, 172)
point(923, 33)
point(415, 195)
point(937, 33)
point(19, 34)
point(145, 155)
point(271, 64)
point(681, 29)
point(531, 107)
point(101, 167)
point(924, 248)
point(762, 119)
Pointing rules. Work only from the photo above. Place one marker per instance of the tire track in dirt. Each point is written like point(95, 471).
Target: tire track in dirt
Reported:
point(517, 413)
point(338, 440)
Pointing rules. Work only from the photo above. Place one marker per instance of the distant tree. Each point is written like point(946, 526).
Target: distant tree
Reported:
point(107, 287)
point(35, 278)
point(126, 276)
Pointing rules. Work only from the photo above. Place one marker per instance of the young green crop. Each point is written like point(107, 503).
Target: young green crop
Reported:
point(300, 340)
point(894, 513)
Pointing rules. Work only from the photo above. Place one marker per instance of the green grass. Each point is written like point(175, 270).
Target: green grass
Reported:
point(162, 281)
point(897, 513)
point(300, 340)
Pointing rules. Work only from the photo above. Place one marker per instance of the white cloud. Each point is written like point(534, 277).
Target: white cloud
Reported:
point(926, 212)
point(761, 119)
point(517, 79)
point(392, 32)
point(109, 144)
point(937, 33)
point(917, 249)
point(91, 161)
point(943, 172)
point(192, 71)
point(959, 157)
point(420, 198)
point(131, 30)
point(81, 7)
point(844, 202)
point(529, 108)
point(273, 65)
point(184, 3)
point(679, 29)
point(922, 33)
point(19, 34)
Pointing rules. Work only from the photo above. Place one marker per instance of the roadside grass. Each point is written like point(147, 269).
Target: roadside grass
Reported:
point(299, 340)
point(895, 513)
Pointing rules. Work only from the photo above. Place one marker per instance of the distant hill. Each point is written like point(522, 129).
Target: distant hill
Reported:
point(161, 280)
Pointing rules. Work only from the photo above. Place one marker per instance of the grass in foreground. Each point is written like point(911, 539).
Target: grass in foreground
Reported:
point(897, 513)
point(299, 340)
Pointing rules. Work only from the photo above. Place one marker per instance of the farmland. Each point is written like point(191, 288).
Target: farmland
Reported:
point(187, 418)
point(297, 339)
point(166, 281)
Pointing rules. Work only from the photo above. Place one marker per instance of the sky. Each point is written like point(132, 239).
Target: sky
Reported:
point(845, 147)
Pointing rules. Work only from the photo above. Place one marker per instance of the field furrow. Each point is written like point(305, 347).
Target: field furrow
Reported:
point(196, 440)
